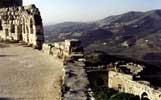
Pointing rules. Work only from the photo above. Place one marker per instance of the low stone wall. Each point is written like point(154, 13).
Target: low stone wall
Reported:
point(63, 49)
point(75, 85)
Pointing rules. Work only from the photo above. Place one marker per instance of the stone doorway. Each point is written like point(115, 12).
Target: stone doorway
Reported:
point(144, 96)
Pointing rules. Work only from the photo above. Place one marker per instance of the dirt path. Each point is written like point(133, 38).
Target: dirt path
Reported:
point(28, 74)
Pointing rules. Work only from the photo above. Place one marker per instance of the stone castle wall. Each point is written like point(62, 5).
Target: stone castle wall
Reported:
point(64, 49)
point(125, 76)
point(10, 3)
point(22, 24)
point(76, 82)
point(75, 85)
point(125, 83)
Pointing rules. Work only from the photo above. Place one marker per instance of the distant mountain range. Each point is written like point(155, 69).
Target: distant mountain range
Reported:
point(133, 34)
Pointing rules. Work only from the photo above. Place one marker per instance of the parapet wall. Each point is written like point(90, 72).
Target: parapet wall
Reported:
point(22, 23)
point(75, 85)
point(64, 49)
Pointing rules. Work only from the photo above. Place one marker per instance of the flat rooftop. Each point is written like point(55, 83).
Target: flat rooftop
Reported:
point(28, 74)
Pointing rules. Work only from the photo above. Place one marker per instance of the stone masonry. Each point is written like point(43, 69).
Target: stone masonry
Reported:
point(125, 83)
point(64, 49)
point(22, 23)
point(127, 77)
point(75, 84)
point(10, 3)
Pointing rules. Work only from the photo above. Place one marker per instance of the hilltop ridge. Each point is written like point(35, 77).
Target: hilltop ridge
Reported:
point(134, 34)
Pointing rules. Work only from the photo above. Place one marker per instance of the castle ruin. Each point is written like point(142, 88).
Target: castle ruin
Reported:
point(21, 23)
point(24, 24)
point(10, 3)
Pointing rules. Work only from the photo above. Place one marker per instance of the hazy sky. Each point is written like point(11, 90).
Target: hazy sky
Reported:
point(55, 11)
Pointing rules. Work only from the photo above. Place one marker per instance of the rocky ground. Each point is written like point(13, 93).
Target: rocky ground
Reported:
point(28, 74)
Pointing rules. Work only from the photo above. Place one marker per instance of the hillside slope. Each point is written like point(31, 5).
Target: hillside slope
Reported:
point(133, 34)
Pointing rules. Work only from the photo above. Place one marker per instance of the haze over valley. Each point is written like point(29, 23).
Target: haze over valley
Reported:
point(134, 34)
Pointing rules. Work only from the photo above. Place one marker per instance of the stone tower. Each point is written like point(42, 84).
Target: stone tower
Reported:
point(10, 3)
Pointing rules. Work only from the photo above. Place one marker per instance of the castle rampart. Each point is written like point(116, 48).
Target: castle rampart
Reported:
point(75, 85)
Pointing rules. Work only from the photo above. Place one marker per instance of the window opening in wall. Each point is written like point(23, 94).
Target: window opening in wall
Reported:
point(12, 29)
point(1, 25)
point(144, 96)
point(24, 28)
point(6, 31)
point(31, 26)
point(119, 86)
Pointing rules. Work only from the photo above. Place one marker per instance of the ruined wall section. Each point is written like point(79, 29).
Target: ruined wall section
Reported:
point(125, 83)
point(10, 3)
point(64, 49)
point(75, 85)
point(22, 24)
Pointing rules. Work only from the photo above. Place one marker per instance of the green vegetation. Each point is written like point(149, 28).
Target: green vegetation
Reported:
point(124, 96)
point(103, 93)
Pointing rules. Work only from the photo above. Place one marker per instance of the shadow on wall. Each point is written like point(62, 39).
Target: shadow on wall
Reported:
point(5, 99)
point(3, 45)
point(6, 56)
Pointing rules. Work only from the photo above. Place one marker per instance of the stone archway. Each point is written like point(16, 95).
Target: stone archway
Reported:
point(144, 96)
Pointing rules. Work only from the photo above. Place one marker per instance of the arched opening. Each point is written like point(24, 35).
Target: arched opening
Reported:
point(144, 96)
point(12, 29)
point(31, 26)
point(1, 28)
